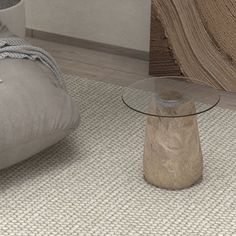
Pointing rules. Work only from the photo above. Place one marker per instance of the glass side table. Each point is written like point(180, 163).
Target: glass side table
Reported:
point(172, 151)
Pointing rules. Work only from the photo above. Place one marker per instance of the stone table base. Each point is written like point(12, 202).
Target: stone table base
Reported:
point(172, 153)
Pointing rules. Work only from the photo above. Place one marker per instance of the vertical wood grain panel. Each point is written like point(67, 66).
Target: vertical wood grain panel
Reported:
point(162, 61)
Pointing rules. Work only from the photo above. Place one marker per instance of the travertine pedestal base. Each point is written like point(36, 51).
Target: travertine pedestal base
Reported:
point(172, 152)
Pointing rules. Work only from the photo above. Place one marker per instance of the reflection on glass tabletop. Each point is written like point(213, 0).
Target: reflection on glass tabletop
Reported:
point(171, 96)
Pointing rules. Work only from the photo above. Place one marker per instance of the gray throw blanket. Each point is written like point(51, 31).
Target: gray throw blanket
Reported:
point(14, 47)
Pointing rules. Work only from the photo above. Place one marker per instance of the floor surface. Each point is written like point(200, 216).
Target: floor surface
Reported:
point(91, 183)
point(95, 65)
point(106, 67)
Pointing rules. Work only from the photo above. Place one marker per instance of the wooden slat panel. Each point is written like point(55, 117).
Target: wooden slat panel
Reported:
point(162, 62)
point(202, 36)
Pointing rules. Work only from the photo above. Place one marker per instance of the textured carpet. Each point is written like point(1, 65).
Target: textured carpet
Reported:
point(91, 182)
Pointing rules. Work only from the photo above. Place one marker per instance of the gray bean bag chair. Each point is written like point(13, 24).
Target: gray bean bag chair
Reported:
point(34, 112)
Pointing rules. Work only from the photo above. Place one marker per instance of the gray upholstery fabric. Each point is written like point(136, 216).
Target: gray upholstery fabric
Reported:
point(8, 3)
point(12, 46)
point(34, 112)
point(17, 48)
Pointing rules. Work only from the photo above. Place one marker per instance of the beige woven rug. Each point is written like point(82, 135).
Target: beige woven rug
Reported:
point(91, 183)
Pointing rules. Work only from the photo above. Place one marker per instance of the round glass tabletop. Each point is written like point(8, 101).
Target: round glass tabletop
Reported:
point(171, 96)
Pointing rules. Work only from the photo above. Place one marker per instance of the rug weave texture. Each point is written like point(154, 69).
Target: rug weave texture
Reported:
point(91, 183)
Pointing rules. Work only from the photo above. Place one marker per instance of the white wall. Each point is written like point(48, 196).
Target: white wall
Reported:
point(124, 23)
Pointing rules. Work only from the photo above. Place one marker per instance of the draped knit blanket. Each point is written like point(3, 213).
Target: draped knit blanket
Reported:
point(17, 48)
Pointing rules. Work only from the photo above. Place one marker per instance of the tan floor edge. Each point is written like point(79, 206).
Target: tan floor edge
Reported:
point(133, 53)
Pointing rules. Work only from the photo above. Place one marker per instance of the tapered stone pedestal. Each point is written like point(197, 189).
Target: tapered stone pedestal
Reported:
point(172, 152)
